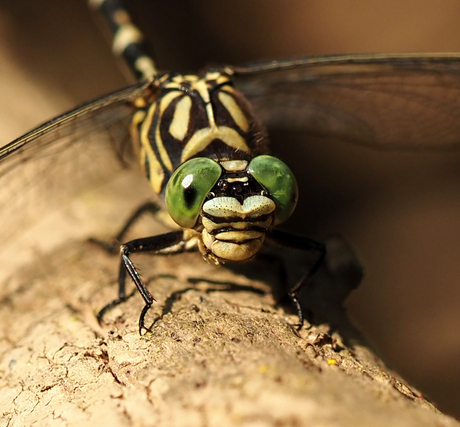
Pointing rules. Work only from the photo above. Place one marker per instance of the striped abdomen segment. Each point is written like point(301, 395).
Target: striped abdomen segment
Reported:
point(194, 117)
point(128, 40)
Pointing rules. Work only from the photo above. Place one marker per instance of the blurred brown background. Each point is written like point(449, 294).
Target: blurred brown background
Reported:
point(400, 211)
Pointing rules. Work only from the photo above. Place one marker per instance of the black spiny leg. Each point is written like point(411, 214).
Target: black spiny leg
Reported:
point(171, 243)
point(112, 246)
point(303, 243)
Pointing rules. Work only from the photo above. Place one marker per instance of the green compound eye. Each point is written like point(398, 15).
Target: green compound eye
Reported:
point(188, 187)
point(275, 176)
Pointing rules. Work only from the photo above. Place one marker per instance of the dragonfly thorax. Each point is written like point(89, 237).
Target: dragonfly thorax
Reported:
point(189, 117)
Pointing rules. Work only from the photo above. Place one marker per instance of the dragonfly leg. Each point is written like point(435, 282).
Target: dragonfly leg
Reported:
point(302, 243)
point(112, 246)
point(172, 243)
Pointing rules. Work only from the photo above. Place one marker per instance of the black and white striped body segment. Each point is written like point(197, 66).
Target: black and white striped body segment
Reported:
point(128, 40)
point(191, 117)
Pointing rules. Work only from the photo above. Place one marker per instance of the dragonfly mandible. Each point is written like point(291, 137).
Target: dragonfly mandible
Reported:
point(203, 145)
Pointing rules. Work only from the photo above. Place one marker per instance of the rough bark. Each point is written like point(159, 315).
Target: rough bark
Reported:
point(220, 351)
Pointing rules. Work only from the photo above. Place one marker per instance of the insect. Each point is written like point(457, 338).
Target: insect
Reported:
point(203, 145)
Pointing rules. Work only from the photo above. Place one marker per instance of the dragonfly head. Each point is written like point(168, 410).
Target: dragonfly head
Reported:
point(233, 203)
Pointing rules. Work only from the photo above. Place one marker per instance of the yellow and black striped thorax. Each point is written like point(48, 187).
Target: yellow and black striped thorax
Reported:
point(190, 116)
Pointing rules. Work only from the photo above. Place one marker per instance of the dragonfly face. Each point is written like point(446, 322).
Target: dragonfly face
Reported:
point(233, 203)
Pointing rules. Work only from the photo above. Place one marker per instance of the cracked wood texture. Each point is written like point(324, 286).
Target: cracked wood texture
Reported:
point(225, 356)
point(221, 352)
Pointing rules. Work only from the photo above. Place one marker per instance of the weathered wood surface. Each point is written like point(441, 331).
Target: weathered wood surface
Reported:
point(220, 352)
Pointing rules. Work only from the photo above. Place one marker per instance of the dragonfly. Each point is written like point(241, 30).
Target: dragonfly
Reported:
point(202, 141)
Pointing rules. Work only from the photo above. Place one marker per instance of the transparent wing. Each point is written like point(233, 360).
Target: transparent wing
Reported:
point(49, 165)
point(409, 101)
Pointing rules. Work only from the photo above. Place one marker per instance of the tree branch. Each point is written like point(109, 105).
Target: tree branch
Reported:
point(220, 352)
